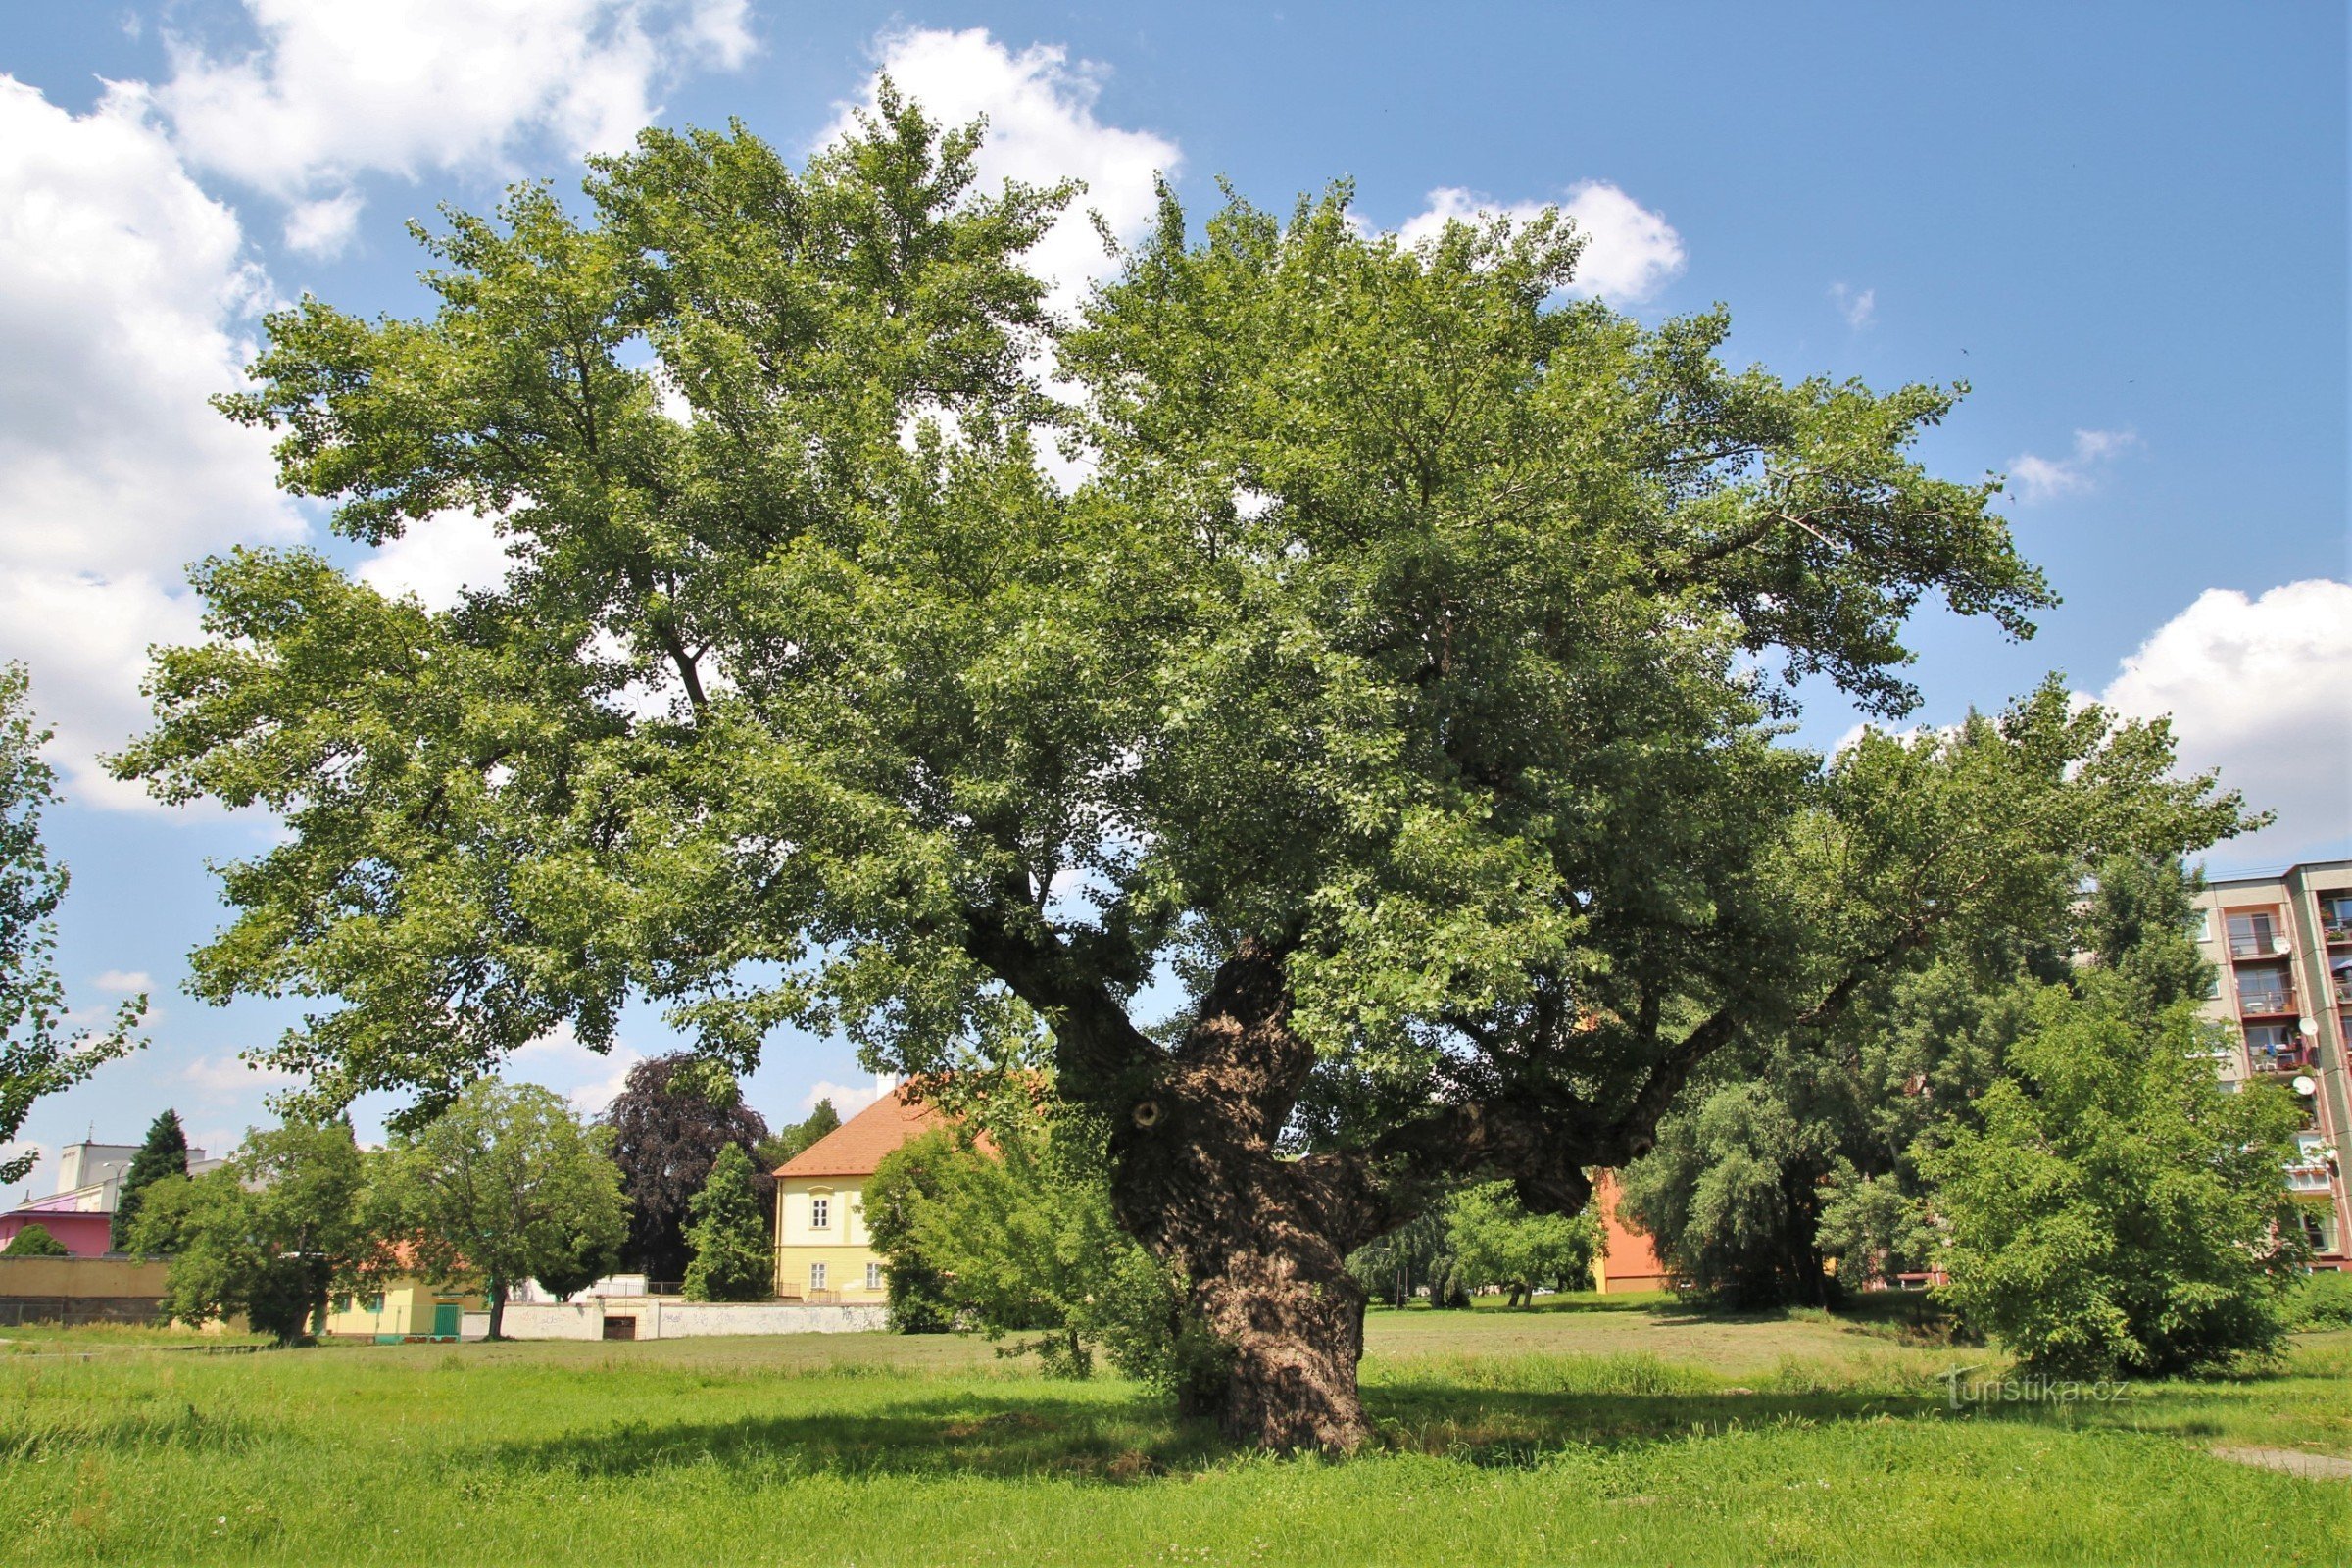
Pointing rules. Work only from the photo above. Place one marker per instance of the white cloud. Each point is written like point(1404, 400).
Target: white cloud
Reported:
point(334, 90)
point(2261, 689)
point(125, 980)
point(120, 287)
point(591, 1098)
point(438, 559)
point(848, 1098)
point(2039, 478)
point(1042, 129)
point(1858, 307)
point(1630, 251)
point(220, 1078)
point(322, 227)
point(589, 1079)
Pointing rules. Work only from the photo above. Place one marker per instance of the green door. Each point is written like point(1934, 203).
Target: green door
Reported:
point(447, 1316)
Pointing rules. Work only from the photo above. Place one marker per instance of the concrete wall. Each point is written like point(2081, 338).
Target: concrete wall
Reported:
point(679, 1320)
point(552, 1320)
point(80, 1290)
point(662, 1317)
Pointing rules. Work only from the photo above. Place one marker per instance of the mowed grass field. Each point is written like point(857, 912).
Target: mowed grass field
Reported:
point(1573, 1435)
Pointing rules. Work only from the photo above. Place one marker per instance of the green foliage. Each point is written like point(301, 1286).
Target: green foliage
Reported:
point(1414, 1258)
point(38, 1054)
point(786, 1142)
point(163, 1152)
point(908, 1176)
point(506, 1184)
point(2321, 1299)
point(34, 1241)
point(2116, 1210)
point(1497, 1242)
point(674, 1115)
point(732, 1258)
point(1793, 1175)
point(271, 1233)
point(1018, 1238)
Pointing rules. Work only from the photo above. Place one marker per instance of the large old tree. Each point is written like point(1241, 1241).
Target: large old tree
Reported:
point(1397, 689)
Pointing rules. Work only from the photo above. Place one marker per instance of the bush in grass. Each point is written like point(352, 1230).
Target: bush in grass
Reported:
point(2116, 1211)
point(1018, 1238)
point(732, 1261)
point(2320, 1301)
point(34, 1241)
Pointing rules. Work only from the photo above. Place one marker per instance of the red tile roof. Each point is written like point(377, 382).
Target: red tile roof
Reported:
point(857, 1146)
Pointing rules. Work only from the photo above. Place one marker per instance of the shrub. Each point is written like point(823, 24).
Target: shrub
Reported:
point(2320, 1301)
point(34, 1241)
point(2116, 1211)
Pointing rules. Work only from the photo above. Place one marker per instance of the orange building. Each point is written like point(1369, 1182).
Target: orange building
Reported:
point(1627, 1261)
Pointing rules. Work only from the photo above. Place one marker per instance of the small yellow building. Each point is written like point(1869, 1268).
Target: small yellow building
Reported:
point(822, 1250)
point(406, 1309)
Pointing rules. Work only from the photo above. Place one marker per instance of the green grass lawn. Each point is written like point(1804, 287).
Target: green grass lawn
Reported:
point(1565, 1434)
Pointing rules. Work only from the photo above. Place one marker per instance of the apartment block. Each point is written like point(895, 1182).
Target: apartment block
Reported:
point(2282, 946)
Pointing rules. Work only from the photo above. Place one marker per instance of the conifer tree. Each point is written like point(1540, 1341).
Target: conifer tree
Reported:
point(165, 1153)
point(730, 1235)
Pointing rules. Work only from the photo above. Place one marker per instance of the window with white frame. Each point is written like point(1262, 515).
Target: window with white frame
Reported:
point(817, 1276)
point(821, 1212)
point(874, 1276)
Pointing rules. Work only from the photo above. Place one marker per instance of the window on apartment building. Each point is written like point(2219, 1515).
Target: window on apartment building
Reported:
point(2213, 985)
point(2319, 1228)
point(2269, 1039)
point(2264, 988)
point(2336, 914)
point(820, 1214)
point(817, 1276)
point(2340, 971)
point(2253, 935)
point(2200, 925)
point(874, 1276)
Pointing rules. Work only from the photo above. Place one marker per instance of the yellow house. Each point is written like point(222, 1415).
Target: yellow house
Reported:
point(822, 1250)
point(405, 1308)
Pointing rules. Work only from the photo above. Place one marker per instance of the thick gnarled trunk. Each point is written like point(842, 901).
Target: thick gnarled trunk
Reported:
point(1199, 1182)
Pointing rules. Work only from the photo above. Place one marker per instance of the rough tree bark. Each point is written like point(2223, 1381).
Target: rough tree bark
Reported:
point(1199, 1181)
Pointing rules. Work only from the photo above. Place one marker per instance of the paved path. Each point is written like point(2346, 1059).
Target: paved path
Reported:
point(2317, 1466)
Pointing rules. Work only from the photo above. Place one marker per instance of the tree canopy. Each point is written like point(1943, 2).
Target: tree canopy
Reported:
point(732, 1260)
point(163, 1152)
point(40, 1055)
point(1791, 1170)
point(506, 1184)
point(2116, 1211)
point(1402, 672)
point(273, 1234)
point(673, 1117)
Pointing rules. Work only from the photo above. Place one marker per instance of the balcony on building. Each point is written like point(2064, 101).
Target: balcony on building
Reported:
point(2276, 1047)
point(2257, 934)
point(2265, 991)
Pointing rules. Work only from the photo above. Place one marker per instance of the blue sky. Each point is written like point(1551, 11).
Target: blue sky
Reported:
point(2126, 225)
